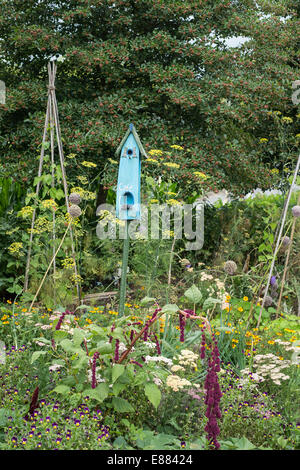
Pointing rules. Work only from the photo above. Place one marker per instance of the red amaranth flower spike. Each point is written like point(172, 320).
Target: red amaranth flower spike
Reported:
point(203, 342)
point(149, 323)
point(116, 357)
point(112, 329)
point(132, 361)
point(157, 344)
point(94, 381)
point(132, 332)
point(190, 313)
point(61, 318)
point(182, 322)
point(213, 396)
point(33, 404)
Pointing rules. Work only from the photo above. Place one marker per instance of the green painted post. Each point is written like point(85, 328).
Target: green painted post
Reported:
point(124, 270)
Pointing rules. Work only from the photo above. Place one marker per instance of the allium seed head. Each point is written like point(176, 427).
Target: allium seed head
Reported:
point(268, 301)
point(286, 241)
point(75, 198)
point(74, 211)
point(230, 267)
point(296, 211)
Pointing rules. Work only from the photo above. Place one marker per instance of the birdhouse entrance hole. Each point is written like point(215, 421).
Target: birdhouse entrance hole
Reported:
point(127, 201)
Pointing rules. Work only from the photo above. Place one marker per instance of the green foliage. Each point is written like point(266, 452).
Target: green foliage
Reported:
point(164, 66)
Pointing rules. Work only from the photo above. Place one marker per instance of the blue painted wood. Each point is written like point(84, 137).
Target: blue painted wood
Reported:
point(129, 179)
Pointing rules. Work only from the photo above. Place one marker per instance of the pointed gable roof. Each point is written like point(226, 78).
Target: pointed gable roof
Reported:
point(132, 130)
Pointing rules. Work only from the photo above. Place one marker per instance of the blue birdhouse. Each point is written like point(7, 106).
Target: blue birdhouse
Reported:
point(128, 201)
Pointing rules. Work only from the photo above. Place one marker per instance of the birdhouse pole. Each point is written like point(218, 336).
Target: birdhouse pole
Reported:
point(124, 270)
point(128, 200)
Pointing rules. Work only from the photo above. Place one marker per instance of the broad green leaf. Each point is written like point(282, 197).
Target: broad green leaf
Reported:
point(99, 393)
point(68, 345)
point(59, 335)
point(96, 329)
point(170, 308)
point(118, 388)
point(117, 370)
point(193, 294)
point(36, 355)
point(244, 444)
point(121, 405)
point(63, 389)
point(78, 336)
point(153, 393)
point(224, 328)
point(210, 302)
point(147, 300)
point(81, 307)
point(117, 333)
point(81, 362)
point(4, 413)
point(103, 347)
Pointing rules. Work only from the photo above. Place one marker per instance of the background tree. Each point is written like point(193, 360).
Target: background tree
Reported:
point(163, 65)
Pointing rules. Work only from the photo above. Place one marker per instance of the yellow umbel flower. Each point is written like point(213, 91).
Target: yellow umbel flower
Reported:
point(26, 211)
point(171, 165)
point(49, 204)
point(68, 263)
point(15, 248)
point(84, 194)
point(173, 202)
point(200, 174)
point(83, 179)
point(76, 279)
point(286, 119)
point(89, 164)
point(155, 152)
point(177, 147)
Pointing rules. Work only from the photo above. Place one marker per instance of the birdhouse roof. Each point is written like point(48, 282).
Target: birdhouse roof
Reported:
point(132, 130)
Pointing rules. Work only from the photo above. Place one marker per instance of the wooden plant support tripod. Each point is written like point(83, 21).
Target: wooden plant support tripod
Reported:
point(52, 125)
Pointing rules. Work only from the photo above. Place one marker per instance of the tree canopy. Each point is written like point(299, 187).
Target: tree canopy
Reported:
point(163, 65)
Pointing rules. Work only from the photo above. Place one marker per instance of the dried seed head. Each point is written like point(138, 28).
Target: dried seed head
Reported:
point(184, 262)
point(75, 198)
point(296, 211)
point(286, 241)
point(74, 211)
point(230, 267)
point(268, 301)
